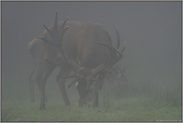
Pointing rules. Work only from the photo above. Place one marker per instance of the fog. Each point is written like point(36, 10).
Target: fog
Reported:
point(151, 30)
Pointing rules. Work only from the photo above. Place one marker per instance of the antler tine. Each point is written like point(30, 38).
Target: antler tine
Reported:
point(62, 34)
point(74, 65)
point(48, 30)
point(55, 26)
point(117, 37)
point(117, 58)
point(64, 23)
point(54, 33)
point(112, 49)
point(62, 30)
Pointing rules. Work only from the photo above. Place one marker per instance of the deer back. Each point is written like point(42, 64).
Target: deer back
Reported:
point(80, 43)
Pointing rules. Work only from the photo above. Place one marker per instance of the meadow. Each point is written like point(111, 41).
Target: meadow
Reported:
point(152, 34)
point(146, 105)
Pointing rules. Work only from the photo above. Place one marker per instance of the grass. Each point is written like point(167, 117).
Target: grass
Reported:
point(142, 102)
point(122, 109)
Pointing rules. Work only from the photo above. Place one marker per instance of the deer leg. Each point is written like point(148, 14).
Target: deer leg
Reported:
point(47, 72)
point(39, 77)
point(31, 86)
point(65, 70)
point(101, 82)
point(35, 77)
point(101, 79)
point(39, 85)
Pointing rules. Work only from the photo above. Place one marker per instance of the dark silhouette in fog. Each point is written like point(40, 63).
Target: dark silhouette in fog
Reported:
point(87, 49)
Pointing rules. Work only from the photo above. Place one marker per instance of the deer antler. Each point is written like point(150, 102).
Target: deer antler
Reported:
point(57, 39)
point(117, 37)
point(116, 55)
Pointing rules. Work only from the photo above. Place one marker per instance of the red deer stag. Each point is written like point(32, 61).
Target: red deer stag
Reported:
point(87, 49)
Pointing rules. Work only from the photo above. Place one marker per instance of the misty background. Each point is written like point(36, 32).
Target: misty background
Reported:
point(151, 30)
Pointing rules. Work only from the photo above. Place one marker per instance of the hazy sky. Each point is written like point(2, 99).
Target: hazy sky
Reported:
point(151, 30)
